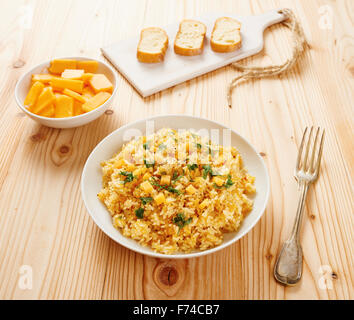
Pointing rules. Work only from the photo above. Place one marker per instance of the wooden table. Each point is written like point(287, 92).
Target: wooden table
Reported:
point(45, 229)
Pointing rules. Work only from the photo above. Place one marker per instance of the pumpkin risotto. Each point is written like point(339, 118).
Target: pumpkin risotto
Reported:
point(176, 191)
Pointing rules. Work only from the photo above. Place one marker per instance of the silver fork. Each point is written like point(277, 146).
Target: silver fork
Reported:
point(288, 268)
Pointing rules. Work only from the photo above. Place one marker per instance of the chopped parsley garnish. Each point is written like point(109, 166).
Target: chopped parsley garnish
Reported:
point(149, 164)
point(199, 146)
point(146, 145)
point(162, 146)
point(129, 176)
point(139, 213)
point(146, 200)
point(173, 190)
point(169, 189)
point(227, 185)
point(156, 184)
point(180, 221)
point(192, 167)
point(229, 182)
point(176, 177)
point(207, 170)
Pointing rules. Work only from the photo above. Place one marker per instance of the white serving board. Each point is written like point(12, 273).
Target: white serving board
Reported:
point(151, 78)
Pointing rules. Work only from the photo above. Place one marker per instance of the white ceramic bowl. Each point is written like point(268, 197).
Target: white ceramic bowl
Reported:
point(23, 86)
point(91, 181)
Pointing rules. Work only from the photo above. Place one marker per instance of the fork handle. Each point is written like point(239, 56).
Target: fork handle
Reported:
point(304, 187)
point(288, 268)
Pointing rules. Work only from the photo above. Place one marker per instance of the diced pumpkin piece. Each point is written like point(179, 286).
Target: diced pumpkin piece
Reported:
point(146, 176)
point(77, 108)
point(100, 83)
point(88, 92)
point(199, 180)
point(86, 77)
point(218, 181)
point(204, 204)
point(147, 187)
point(96, 101)
point(59, 65)
point(190, 189)
point(75, 95)
point(48, 111)
point(44, 78)
point(64, 106)
point(137, 173)
point(120, 163)
point(33, 94)
point(45, 99)
point(131, 167)
point(74, 74)
point(74, 85)
point(88, 65)
point(160, 198)
point(165, 180)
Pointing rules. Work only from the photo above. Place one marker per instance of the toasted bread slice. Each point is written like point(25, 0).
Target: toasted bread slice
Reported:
point(190, 38)
point(226, 35)
point(152, 45)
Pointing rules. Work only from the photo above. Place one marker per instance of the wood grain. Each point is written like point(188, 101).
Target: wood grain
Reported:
point(43, 220)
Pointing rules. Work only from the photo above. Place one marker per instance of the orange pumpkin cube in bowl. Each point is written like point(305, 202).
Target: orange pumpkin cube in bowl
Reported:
point(74, 95)
point(100, 83)
point(96, 101)
point(74, 85)
point(33, 94)
point(64, 106)
point(44, 78)
point(58, 66)
point(73, 74)
point(90, 66)
point(45, 99)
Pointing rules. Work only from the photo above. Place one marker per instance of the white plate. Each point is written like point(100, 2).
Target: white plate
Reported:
point(91, 182)
point(149, 78)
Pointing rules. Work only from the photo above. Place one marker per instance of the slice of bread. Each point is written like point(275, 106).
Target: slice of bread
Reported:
point(190, 38)
point(152, 45)
point(226, 35)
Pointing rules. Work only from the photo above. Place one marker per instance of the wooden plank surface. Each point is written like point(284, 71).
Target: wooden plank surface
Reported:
point(45, 228)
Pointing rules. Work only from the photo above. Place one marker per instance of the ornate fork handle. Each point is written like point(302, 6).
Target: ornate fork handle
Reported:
point(288, 268)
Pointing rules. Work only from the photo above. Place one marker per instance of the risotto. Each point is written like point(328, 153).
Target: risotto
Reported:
point(176, 191)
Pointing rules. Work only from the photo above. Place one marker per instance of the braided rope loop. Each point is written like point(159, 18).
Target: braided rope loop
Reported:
point(299, 46)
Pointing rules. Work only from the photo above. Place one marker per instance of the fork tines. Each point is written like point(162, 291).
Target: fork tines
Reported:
point(312, 149)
